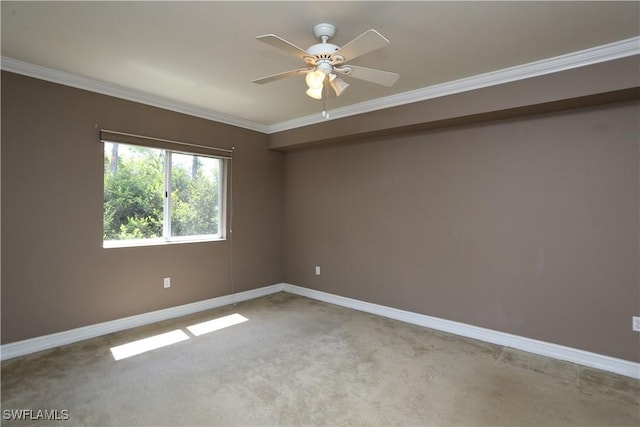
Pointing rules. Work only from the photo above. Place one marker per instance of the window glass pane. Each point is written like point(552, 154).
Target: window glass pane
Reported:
point(195, 206)
point(133, 192)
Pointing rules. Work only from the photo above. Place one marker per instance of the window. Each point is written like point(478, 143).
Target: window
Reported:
point(153, 196)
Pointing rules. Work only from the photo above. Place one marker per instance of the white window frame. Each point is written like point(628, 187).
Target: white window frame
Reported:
point(166, 213)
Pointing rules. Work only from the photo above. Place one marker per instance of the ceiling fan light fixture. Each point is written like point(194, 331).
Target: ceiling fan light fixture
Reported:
point(337, 84)
point(315, 79)
point(315, 92)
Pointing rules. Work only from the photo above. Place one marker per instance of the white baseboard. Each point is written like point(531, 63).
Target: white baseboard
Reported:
point(581, 357)
point(32, 345)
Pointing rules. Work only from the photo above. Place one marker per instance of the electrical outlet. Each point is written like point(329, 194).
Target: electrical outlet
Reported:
point(636, 323)
point(317, 271)
point(167, 282)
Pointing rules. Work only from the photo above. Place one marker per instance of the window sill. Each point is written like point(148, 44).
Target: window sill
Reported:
point(110, 244)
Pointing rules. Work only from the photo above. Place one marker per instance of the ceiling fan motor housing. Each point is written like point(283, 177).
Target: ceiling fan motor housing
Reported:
point(323, 50)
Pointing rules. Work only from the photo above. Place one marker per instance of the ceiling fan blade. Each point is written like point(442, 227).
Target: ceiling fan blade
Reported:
point(280, 43)
point(384, 78)
point(280, 75)
point(366, 42)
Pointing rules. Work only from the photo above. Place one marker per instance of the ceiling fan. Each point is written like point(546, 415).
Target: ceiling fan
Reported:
point(326, 62)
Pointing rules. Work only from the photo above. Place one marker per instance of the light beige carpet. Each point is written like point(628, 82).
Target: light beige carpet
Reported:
point(301, 362)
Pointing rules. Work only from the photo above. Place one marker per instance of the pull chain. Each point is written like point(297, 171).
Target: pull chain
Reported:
point(230, 187)
point(325, 113)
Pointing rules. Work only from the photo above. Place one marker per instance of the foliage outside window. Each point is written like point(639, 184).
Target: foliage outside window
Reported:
point(155, 195)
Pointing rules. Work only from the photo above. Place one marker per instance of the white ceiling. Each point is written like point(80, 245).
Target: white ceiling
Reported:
point(205, 54)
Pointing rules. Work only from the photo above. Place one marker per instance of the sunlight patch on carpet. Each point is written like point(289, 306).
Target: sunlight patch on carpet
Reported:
point(216, 324)
point(147, 344)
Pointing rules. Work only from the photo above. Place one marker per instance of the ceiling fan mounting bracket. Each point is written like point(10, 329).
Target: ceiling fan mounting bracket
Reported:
point(324, 31)
point(343, 70)
point(337, 59)
point(333, 59)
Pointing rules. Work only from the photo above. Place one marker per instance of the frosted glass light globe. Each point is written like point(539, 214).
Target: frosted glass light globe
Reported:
point(315, 79)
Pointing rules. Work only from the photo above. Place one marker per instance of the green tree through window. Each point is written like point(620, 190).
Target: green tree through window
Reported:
point(194, 195)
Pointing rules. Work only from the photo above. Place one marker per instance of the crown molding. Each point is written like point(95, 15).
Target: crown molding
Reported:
point(598, 54)
point(79, 82)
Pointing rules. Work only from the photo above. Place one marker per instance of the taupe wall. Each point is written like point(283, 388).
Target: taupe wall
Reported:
point(55, 273)
point(528, 226)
